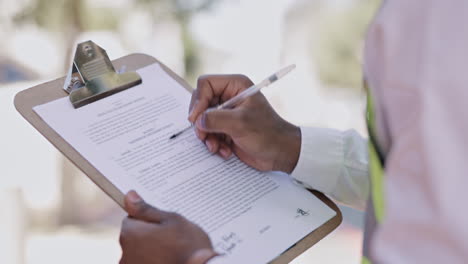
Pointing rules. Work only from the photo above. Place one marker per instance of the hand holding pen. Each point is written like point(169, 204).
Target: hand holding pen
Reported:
point(249, 128)
point(243, 95)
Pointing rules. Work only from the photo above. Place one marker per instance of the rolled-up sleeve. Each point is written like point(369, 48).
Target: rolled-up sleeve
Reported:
point(335, 163)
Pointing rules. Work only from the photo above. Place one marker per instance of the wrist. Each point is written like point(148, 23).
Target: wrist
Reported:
point(289, 149)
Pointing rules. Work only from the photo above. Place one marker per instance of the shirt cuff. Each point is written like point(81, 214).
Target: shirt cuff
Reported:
point(320, 160)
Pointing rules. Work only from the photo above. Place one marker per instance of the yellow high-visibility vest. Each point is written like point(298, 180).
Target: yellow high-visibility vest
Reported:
point(376, 168)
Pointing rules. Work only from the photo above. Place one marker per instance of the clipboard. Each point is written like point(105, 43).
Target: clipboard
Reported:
point(26, 100)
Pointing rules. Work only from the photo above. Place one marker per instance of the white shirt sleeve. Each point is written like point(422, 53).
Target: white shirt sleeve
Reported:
point(335, 163)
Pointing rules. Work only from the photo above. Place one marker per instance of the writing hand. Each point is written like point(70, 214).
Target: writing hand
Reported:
point(152, 236)
point(253, 131)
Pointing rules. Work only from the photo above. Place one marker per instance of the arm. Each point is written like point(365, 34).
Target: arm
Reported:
point(327, 160)
point(334, 163)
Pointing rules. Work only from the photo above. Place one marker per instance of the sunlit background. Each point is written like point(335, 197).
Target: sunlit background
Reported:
point(51, 213)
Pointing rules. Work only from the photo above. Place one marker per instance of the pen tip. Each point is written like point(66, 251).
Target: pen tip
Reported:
point(173, 136)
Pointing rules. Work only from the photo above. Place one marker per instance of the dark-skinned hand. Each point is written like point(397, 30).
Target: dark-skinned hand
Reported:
point(152, 236)
point(252, 130)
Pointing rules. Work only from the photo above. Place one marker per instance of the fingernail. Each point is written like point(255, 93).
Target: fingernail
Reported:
point(209, 145)
point(224, 152)
point(134, 197)
point(201, 122)
point(190, 115)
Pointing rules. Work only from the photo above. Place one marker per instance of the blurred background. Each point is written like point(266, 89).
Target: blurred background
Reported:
point(51, 213)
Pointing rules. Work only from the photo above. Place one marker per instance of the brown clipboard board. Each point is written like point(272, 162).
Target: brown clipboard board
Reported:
point(26, 100)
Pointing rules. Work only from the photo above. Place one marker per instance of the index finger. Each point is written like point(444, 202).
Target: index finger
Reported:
point(214, 89)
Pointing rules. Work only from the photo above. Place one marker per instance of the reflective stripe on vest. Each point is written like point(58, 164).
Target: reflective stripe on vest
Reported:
point(376, 169)
point(376, 174)
point(376, 161)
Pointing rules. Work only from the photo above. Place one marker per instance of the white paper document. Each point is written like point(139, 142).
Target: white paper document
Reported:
point(251, 216)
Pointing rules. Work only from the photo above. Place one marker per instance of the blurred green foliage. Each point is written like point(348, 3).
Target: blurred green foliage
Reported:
point(59, 15)
point(70, 17)
point(182, 11)
point(338, 50)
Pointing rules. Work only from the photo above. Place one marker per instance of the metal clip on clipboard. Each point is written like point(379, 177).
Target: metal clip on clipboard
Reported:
point(93, 77)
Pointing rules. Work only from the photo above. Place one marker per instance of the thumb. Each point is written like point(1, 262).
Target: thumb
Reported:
point(137, 208)
point(219, 121)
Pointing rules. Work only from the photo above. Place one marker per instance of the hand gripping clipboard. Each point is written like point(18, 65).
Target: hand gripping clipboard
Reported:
point(26, 100)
